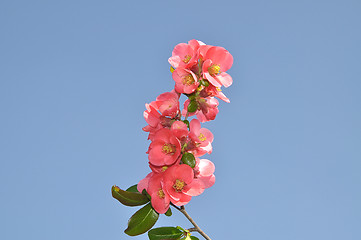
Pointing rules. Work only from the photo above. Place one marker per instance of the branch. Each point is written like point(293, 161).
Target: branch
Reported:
point(196, 227)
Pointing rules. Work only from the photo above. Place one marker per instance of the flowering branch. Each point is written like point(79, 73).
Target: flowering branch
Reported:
point(177, 171)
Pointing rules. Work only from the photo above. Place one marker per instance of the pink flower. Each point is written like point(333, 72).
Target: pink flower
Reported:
point(216, 62)
point(159, 197)
point(180, 130)
point(143, 184)
point(185, 81)
point(151, 115)
point(212, 91)
point(167, 104)
point(185, 55)
point(178, 183)
point(207, 109)
point(202, 136)
point(165, 148)
point(161, 169)
point(203, 171)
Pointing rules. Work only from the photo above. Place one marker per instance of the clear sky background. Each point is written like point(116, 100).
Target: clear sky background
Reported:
point(74, 78)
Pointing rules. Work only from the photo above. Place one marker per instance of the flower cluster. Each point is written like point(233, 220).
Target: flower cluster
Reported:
point(178, 173)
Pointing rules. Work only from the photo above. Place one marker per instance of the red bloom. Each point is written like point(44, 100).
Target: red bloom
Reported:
point(217, 61)
point(168, 104)
point(185, 80)
point(164, 149)
point(159, 197)
point(185, 55)
point(178, 183)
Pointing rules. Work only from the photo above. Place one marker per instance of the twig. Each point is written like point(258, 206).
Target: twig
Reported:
point(196, 227)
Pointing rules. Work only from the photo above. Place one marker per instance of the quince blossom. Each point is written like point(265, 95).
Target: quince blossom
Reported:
point(165, 148)
point(185, 55)
point(203, 171)
point(217, 61)
point(185, 81)
point(178, 183)
point(207, 109)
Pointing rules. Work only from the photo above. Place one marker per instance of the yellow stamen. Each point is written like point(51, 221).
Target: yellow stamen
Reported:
point(214, 69)
point(160, 193)
point(219, 89)
point(169, 148)
point(187, 58)
point(164, 168)
point(201, 137)
point(188, 80)
point(178, 185)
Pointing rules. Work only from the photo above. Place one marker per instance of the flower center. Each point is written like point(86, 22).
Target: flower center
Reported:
point(178, 185)
point(164, 168)
point(188, 80)
point(168, 148)
point(160, 193)
point(201, 137)
point(187, 58)
point(214, 69)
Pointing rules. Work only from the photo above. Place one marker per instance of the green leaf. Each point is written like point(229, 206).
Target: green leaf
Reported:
point(189, 159)
point(144, 192)
point(129, 198)
point(168, 212)
point(194, 238)
point(193, 106)
point(180, 228)
point(133, 188)
point(186, 122)
point(165, 233)
point(141, 221)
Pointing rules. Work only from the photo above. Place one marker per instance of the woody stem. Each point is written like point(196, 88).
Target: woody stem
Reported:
point(196, 227)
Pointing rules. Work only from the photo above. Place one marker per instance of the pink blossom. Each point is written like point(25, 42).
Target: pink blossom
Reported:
point(151, 115)
point(207, 109)
point(165, 148)
point(185, 81)
point(143, 184)
point(212, 91)
point(167, 104)
point(184, 55)
point(216, 62)
point(180, 130)
point(161, 169)
point(203, 171)
point(178, 183)
point(159, 197)
point(202, 136)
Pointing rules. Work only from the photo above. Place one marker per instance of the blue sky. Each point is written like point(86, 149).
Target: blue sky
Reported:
point(74, 78)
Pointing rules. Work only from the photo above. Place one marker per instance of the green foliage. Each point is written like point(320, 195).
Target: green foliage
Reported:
point(133, 188)
point(129, 198)
point(193, 106)
point(141, 221)
point(165, 233)
point(186, 122)
point(194, 238)
point(189, 159)
point(168, 212)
